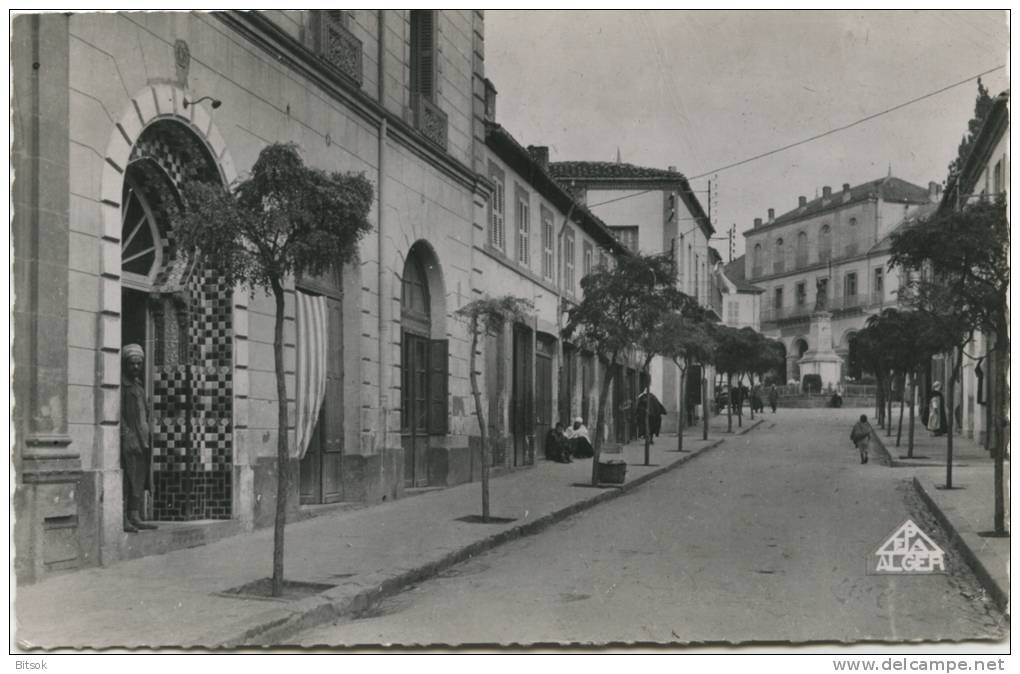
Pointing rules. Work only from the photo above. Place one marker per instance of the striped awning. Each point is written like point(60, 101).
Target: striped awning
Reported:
point(312, 339)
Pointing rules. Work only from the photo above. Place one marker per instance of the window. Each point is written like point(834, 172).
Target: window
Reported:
point(801, 294)
point(603, 259)
point(523, 212)
point(822, 286)
point(423, 53)
point(824, 244)
point(756, 261)
point(802, 254)
point(628, 236)
point(850, 285)
point(779, 264)
point(589, 257)
point(697, 275)
point(548, 242)
point(878, 288)
point(732, 312)
point(999, 182)
point(497, 208)
point(851, 237)
point(568, 261)
point(777, 301)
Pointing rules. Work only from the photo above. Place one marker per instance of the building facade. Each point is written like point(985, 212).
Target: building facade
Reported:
point(740, 301)
point(834, 247)
point(653, 211)
point(112, 113)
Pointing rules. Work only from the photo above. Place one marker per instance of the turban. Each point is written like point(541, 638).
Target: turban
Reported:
point(578, 420)
point(129, 350)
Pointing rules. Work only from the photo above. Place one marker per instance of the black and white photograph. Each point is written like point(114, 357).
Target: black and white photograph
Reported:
point(511, 331)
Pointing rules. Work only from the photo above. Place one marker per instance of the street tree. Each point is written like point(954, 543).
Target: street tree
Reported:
point(957, 268)
point(606, 320)
point(284, 220)
point(685, 339)
point(486, 315)
point(731, 358)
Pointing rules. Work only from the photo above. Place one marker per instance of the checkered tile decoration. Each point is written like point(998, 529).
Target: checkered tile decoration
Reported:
point(193, 403)
point(159, 150)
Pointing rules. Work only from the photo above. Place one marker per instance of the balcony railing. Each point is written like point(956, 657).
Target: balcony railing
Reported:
point(773, 314)
point(339, 47)
point(430, 120)
point(846, 302)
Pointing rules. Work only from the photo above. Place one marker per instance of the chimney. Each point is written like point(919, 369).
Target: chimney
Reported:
point(490, 101)
point(757, 223)
point(540, 154)
point(672, 169)
point(846, 191)
point(802, 201)
point(826, 192)
point(934, 191)
point(772, 214)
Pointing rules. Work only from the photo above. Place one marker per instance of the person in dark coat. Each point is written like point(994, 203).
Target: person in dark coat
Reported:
point(860, 435)
point(936, 422)
point(557, 447)
point(647, 402)
point(135, 450)
point(773, 398)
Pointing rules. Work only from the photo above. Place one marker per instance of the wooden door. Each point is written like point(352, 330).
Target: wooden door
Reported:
point(521, 397)
point(321, 480)
point(568, 376)
point(543, 392)
point(414, 408)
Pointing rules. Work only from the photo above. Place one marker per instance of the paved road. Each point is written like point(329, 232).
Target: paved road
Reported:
point(764, 539)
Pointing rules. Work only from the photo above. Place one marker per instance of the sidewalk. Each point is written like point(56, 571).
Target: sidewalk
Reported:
point(364, 555)
point(967, 510)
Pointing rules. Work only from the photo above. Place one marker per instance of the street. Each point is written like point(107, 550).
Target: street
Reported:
point(765, 538)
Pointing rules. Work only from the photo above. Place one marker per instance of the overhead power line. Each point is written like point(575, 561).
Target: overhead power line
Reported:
point(820, 135)
point(847, 126)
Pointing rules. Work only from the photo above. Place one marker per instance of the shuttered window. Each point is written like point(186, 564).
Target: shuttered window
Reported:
point(423, 52)
point(523, 214)
point(589, 257)
point(497, 207)
point(569, 282)
point(547, 243)
point(438, 386)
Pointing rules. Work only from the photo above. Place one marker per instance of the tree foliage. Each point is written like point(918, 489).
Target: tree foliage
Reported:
point(285, 219)
point(982, 105)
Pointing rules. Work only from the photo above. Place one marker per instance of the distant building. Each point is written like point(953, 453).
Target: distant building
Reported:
point(835, 246)
point(740, 304)
point(652, 211)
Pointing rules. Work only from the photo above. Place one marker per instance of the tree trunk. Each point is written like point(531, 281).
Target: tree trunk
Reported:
point(951, 415)
point(600, 420)
point(729, 402)
point(750, 378)
point(704, 405)
point(481, 419)
point(880, 400)
point(282, 458)
point(648, 412)
point(913, 405)
point(903, 400)
point(682, 412)
point(888, 403)
point(740, 403)
point(1001, 356)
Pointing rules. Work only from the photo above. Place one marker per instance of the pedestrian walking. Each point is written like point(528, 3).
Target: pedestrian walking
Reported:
point(860, 435)
point(936, 411)
point(648, 403)
point(773, 398)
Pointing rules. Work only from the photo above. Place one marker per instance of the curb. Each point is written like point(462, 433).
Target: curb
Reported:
point(997, 593)
point(277, 625)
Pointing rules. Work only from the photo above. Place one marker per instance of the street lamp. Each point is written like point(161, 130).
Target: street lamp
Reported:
point(214, 102)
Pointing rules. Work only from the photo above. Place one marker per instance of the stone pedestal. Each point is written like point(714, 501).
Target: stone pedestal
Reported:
point(821, 359)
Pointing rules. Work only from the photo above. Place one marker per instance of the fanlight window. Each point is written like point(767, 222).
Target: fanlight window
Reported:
point(140, 247)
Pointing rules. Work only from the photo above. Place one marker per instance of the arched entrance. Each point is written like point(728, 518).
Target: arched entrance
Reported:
point(424, 367)
point(182, 316)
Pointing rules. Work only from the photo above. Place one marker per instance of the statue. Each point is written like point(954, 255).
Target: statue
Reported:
point(822, 295)
point(135, 450)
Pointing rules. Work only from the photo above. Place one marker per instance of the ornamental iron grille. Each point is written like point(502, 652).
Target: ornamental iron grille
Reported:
point(338, 46)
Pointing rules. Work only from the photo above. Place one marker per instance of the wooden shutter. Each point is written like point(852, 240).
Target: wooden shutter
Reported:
point(438, 393)
point(423, 52)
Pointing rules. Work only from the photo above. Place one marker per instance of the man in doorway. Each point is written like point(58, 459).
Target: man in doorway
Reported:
point(135, 451)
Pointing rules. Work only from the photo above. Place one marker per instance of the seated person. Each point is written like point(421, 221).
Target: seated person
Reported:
point(580, 441)
point(557, 447)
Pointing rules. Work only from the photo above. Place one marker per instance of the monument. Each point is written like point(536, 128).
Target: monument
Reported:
point(820, 358)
